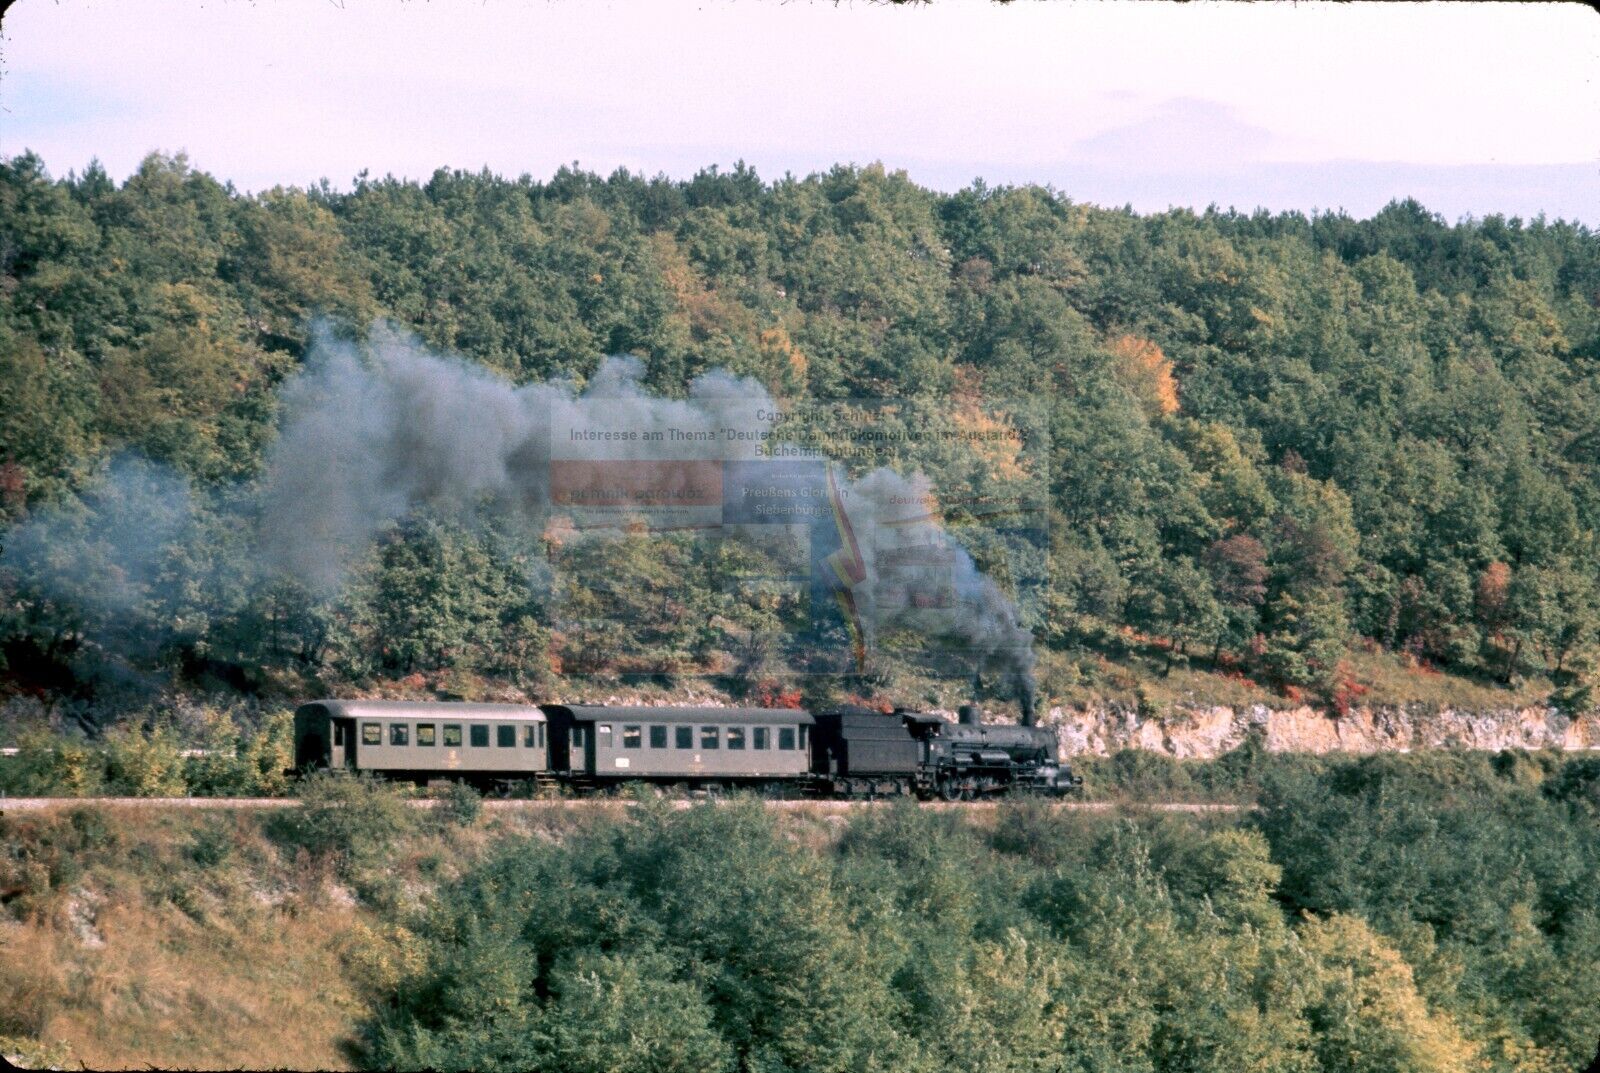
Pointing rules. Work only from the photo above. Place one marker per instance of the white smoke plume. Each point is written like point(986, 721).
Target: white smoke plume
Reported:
point(107, 550)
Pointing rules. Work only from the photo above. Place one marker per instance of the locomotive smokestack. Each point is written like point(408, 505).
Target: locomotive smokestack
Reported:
point(1027, 699)
point(971, 715)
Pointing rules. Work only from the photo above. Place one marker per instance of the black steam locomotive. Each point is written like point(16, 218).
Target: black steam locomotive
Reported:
point(843, 752)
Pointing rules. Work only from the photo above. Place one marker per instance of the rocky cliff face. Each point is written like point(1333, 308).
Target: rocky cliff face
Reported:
point(1207, 732)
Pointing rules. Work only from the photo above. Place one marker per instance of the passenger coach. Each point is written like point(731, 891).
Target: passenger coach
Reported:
point(694, 746)
point(418, 740)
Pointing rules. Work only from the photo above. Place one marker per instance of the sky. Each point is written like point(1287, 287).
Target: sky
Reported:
point(1472, 108)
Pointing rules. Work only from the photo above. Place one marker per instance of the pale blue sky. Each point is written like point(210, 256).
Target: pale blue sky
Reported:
point(1472, 108)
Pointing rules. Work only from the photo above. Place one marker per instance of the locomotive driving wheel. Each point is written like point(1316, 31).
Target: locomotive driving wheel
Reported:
point(950, 789)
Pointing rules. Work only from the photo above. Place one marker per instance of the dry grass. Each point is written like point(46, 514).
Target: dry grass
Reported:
point(189, 941)
point(169, 992)
point(1136, 675)
point(1391, 679)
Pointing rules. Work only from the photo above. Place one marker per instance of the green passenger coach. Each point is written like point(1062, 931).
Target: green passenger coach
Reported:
point(695, 746)
point(420, 740)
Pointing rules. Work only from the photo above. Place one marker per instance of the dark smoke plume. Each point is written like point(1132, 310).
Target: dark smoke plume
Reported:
point(375, 432)
point(367, 441)
point(370, 437)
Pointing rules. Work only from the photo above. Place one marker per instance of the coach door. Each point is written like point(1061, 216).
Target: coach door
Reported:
point(344, 744)
point(580, 748)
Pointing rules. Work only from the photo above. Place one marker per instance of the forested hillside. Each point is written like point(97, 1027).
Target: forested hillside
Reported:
point(1281, 449)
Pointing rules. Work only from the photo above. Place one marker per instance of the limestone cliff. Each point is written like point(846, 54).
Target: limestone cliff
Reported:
point(1210, 731)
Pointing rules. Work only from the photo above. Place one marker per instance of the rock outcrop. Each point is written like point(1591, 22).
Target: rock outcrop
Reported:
point(1211, 731)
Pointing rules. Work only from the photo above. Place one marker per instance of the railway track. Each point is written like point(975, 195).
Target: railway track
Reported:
point(38, 804)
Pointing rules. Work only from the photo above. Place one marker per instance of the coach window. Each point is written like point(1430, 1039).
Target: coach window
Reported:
point(763, 738)
point(708, 737)
point(632, 737)
point(371, 734)
point(736, 737)
point(505, 736)
point(577, 736)
point(604, 732)
point(530, 736)
point(803, 736)
point(541, 735)
point(479, 735)
point(426, 735)
point(398, 733)
point(683, 737)
point(786, 738)
point(452, 735)
point(658, 737)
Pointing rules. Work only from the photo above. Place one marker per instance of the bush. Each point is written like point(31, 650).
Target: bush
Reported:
point(139, 761)
point(44, 854)
point(249, 761)
point(144, 763)
point(461, 805)
point(213, 844)
point(1578, 782)
point(268, 752)
point(49, 765)
point(350, 821)
point(1134, 773)
point(1417, 914)
point(671, 940)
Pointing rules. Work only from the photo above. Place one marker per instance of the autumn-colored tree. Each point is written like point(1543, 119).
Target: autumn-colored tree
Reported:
point(1491, 595)
point(1144, 370)
point(1237, 566)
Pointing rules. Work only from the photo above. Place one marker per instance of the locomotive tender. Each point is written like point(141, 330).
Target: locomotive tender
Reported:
point(843, 752)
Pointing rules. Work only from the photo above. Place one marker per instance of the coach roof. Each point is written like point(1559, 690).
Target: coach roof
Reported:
point(423, 709)
point(588, 713)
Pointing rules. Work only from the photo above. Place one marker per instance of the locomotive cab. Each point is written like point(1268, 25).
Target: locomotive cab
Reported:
point(863, 752)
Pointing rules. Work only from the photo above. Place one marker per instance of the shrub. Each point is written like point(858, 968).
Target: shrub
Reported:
point(268, 752)
point(252, 761)
point(461, 805)
point(350, 821)
point(213, 844)
point(45, 854)
point(49, 765)
point(90, 829)
point(144, 763)
point(1144, 775)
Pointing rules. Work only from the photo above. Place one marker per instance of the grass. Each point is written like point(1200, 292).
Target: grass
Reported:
point(180, 939)
point(171, 992)
point(1136, 675)
point(1392, 679)
point(173, 940)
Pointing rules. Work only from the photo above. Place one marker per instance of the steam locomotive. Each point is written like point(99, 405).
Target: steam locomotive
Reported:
point(846, 752)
